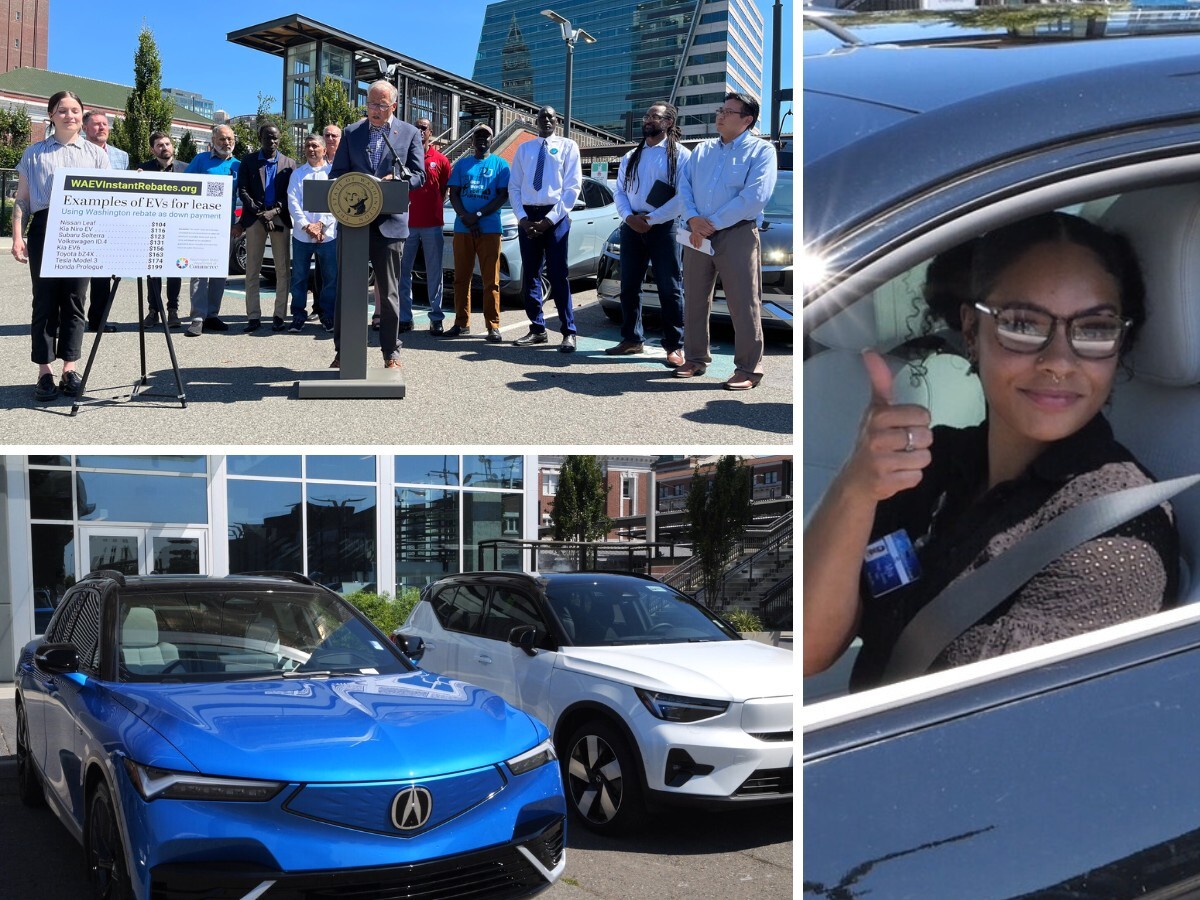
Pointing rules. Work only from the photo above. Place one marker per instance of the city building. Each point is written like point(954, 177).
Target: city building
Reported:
point(688, 52)
point(30, 89)
point(192, 102)
point(311, 51)
point(26, 34)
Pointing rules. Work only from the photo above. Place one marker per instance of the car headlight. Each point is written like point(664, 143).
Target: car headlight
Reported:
point(163, 784)
point(777, 256)
point(673, 708)
point(613, 248)
point(508, 232)
point(531, 759)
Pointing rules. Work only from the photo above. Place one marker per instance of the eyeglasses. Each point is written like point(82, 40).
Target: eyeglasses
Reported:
point(422, 128)
point(726, 111)
point(650, 117)
point(330, 136)
point(1090, 335)
point(379, 106)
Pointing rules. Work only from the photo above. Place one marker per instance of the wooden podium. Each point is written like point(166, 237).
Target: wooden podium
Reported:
point(356, 200)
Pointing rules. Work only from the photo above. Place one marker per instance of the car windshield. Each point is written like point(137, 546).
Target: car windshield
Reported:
point(227, 634)
point(610, 610)
point(780, 205)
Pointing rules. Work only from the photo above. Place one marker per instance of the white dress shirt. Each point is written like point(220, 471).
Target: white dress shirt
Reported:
point(652, 167)
point(295, 200)
point(562, 177)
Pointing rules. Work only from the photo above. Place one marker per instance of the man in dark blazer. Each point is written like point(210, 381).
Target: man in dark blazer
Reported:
point(262, 183)
point(163, 160)
point(383, 146)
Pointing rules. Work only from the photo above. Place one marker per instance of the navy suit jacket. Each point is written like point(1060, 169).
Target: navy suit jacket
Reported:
point(352, 156)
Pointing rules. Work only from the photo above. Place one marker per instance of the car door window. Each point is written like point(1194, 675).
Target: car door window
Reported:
point(511, 609)
point(595, 195)
point(85, 631)
point(460, 608)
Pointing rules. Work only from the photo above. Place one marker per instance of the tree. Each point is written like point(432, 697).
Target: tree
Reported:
point(579, 505)
point(147, 109)
point(15, 130)
point(287, 142)
point(717, 513)
point(330, 103)
point(187, 149)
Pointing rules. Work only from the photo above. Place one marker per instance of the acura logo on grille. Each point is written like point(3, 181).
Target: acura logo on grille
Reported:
point(411, 808)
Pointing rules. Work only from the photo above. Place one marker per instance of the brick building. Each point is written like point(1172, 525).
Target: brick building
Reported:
point(26, 34)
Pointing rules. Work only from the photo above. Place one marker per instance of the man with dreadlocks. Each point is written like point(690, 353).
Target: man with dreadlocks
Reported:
point(649, 207)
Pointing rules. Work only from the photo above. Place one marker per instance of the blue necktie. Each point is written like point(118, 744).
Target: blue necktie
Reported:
point(539, 168)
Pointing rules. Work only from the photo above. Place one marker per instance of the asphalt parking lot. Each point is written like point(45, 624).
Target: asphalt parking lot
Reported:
point(738, 855)
point(240, 389)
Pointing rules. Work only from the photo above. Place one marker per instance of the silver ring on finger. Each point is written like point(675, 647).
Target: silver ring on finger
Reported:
point(909, 445)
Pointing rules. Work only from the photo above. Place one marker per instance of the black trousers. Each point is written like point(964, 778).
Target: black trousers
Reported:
point(58, 319)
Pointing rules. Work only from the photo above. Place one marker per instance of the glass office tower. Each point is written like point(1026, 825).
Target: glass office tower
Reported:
point(687, 51)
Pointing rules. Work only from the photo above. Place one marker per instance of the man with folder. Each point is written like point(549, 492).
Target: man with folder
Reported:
point(649, 205)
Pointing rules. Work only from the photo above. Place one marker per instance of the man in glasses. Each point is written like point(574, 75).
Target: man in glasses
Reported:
point(425, 218)
point(207, 293)
point(725, 188)
point(649, 205)
point(333, 136)
point(385, 147)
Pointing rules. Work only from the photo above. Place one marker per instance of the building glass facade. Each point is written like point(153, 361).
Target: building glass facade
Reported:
point(645, 50)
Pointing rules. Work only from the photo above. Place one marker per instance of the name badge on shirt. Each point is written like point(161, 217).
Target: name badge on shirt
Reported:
point(890, 563)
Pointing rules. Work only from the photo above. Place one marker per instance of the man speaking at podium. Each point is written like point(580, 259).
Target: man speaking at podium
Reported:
point(383, 146)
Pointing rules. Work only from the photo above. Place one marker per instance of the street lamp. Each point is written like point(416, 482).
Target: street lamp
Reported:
point(570, 36)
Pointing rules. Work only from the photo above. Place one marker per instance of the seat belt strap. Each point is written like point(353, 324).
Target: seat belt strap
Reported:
point(967, 600)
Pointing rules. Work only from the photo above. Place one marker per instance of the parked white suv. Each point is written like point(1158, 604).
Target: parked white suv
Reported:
point(650, 697)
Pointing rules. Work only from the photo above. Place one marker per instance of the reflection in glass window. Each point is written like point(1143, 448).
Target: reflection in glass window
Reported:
point(427, 469)
point(426, 536)
point(175, 556)
point(49, 495)
point(53, 569)
point(49, 460)
point(341, 535)
point(342, 468)
point(489, 517)
point(107, 497)
point(493, 471)
point(264, 526)
point(190, 464)
point(264, 466)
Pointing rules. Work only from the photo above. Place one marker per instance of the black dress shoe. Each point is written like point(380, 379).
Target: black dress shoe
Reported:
point(436, 329)
point(70, 383)
point(532, 337)
point(151, 319)
point(173, 320)
point(458, 330)
point(568, 344)
point(212, 323)
point(46, 389)
point(493, 336)
point(406, 326)
point(277, 324)
point(252, 325)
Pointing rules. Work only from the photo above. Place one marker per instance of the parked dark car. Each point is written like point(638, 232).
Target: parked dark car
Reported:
point(1062, 770)
point(256, 736)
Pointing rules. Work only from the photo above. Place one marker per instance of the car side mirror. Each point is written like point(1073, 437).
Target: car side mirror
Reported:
point(579, 205)
point(524, 637)
point(410, 645)
point(57, 659)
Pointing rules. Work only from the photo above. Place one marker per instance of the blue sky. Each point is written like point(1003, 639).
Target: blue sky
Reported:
point(99, 40)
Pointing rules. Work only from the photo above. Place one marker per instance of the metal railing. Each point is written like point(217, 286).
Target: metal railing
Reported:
point(775, 609)
point(8, 193)
point(576, 556)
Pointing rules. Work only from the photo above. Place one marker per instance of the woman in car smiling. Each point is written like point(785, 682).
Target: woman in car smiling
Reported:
point(1054, 303)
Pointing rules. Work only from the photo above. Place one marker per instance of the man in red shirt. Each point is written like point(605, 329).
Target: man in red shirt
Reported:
point(425, 230)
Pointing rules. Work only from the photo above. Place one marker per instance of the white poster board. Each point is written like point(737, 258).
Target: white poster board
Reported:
point(165, 224)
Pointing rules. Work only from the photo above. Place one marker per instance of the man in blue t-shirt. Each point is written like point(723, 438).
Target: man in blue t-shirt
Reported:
point(206, 293)
point(478, 188)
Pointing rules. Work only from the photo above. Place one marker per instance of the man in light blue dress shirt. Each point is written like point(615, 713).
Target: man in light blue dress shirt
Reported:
point(728, 182)
point(96, 129)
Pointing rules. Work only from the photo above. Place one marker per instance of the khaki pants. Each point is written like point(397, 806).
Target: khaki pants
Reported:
point(487, 248)
point(281, 252)
point(736, 259)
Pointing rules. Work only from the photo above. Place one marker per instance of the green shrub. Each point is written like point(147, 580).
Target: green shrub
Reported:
point(386, 613)
point(743, 620)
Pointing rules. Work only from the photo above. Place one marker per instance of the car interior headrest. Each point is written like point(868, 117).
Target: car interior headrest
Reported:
point(140, 628)
point(1163, 224)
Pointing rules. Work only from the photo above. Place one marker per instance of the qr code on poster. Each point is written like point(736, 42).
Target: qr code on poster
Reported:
point(213, 189)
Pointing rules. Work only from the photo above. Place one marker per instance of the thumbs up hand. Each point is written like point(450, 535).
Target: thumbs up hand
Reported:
point(893, 443)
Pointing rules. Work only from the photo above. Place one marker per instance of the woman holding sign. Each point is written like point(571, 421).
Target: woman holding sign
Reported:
point(58, 314)
point(1051, 303)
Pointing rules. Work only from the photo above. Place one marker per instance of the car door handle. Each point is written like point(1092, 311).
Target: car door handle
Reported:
point(484, 658)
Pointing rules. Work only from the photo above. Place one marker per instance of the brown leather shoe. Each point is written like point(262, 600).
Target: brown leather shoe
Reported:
point(337, 361)
point(625, 348)
point(690, 370)
point(391, 364)
point(675, 359)
point(741, 383)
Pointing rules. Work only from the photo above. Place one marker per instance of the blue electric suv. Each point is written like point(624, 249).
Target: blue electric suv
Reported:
point(256, 736)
